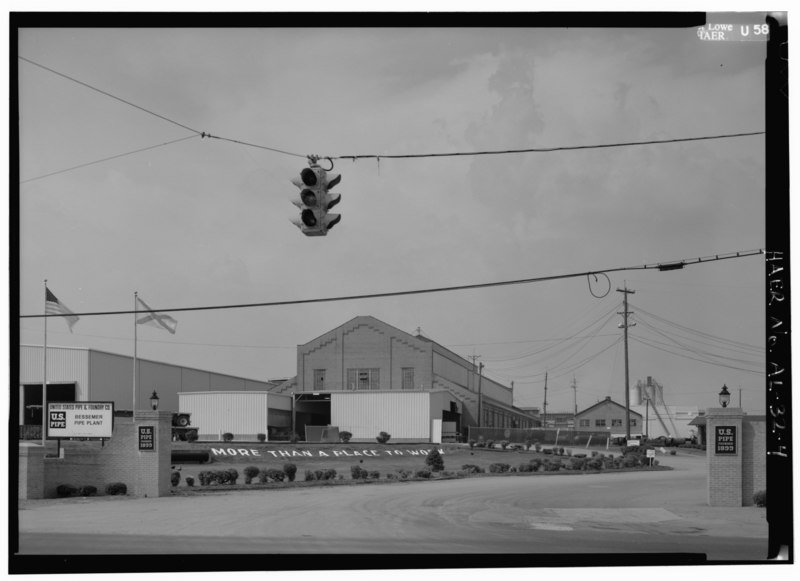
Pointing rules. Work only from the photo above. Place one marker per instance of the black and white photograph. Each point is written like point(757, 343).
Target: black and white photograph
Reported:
point(341, 291)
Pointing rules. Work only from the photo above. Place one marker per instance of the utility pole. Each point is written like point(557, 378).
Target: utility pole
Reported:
point(625, 325)
point(575, 393)
point(544, 423)
point(474, 357)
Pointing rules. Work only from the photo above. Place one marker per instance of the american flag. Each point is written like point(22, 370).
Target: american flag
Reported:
point(157, 320)
point(52, 306)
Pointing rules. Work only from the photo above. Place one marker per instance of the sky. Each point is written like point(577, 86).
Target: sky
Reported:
point(206, 222)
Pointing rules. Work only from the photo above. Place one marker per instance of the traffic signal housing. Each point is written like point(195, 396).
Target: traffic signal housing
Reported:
point(315, 199)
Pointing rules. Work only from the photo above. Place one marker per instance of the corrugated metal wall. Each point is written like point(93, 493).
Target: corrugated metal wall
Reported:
point(404, 415)
point(242, 413)
point(64, 364)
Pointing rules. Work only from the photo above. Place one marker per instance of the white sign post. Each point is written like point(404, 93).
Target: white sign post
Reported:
point(651, 454)
point(86, 419)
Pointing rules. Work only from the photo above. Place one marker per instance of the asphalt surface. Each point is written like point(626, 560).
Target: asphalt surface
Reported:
point(549, 514)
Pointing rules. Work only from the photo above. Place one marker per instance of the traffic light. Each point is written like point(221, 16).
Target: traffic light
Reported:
point(315, 200)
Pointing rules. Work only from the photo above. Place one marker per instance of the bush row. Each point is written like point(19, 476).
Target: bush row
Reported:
point(112, 489)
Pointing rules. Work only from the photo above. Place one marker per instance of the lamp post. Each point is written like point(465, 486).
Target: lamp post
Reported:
point(154, 400)
point(724, 396)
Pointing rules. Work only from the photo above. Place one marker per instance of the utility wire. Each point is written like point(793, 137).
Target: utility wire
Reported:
point(106, 159)
point(121, 100)
point(731, 255)
point(549, 149)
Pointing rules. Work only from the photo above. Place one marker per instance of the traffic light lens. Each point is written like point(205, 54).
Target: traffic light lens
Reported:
point(309, 177)
point(308, 218)
point(309, 198)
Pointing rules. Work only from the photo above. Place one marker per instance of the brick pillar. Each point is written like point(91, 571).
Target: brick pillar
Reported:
point(31, 471)
point(152, 465)
point(724, 456)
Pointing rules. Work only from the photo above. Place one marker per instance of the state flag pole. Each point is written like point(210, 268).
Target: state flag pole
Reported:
point(135, 316)
point(44, 373)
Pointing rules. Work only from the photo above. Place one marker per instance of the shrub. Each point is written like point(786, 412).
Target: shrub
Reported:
point(233, 475)
point(490, 443)
point(423, 473)
point(760, 498)
point(504, 444)
point(227, 437)
point(116, 488)
point(272, 475)
point(561, 451)
point(594, 464)
point(525, 467)
point(547, 451)
point(261, 437)
point(189, 481)
point(499, 467)
point(580, 455)
point(383, 437)
point(577, 463)
point(594, 453)
point(537, 446)
point(672, 452)
point(374, 474)
point(434, 460)
point(358, 473)
point(535, 463)
point(310, 476)
point(64, 490)
point(175, 478)
point(250, 472)
point(391, 476)
point(471, 444)
point(87, 490)
point(345, 436)
point(290, 470)
point(191, 436)
point(480, 444)
point(403, 474)
point(472, 469)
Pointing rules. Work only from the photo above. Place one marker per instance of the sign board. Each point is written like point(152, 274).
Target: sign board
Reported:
point(725, 440)
point(633, 443)
point(85, 419)
point(147, 438)
point(651, 453)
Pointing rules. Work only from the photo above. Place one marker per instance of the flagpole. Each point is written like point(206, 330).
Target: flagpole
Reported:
point(135, 338)
point(44, 373)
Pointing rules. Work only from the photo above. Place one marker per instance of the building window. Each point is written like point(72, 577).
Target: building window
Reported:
point(319, 380)
point(600, 423)
point(616, 422)
point(364, 379)
point(584, 423)
point(408, 378)
point(633, 421)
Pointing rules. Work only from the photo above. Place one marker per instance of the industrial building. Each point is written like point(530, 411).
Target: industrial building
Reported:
point(608, 415)
point(408, 377)
point(363, 377)
point(80, 374)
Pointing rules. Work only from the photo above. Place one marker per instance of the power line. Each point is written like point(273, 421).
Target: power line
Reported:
point(549, 149)
point(731, 255)
point(107, 94)
point(106, 159)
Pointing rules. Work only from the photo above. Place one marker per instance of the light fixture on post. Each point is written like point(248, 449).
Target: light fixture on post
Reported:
point(154, 400)
point(724, 396)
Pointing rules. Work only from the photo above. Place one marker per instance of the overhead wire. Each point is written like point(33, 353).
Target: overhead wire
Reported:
point(717, 364)
point(53, 173)
point(702, 260)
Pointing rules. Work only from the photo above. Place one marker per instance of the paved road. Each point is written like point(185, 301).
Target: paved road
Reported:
point(652, 512)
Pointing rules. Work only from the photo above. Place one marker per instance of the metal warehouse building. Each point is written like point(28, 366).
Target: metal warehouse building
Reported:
point(79, 374)
point(366, 376)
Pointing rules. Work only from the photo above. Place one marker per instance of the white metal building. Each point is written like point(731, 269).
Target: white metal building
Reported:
point(245, 414)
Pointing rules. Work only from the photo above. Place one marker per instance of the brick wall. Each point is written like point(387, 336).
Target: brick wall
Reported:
point(734, 477)
point(92, 463)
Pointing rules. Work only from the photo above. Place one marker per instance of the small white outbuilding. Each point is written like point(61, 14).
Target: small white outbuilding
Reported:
point(245, 414)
